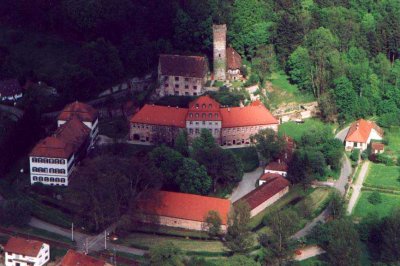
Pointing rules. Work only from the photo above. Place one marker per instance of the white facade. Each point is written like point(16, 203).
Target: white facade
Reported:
point(11, 98)
point(12, 259)
point(181, 86)
point(51, 171)
point(194, 128)
point(373, 135)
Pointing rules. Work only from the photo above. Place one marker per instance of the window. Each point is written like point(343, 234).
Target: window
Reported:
point(35, 178)
point(191, 131)
point(176, 92)
point(204, 122)
point(194, 93)
point(166, 85)
point(195, 87)
point(177, 86)
point(203, 106)
point(40, 178)
point(51, 179)
point(210, 106)
point(63, 180)
point(186, 93)
point(34, 169)
point(203, 115)
point(197, 105)
point(46, 179)
point(210, 115)
point(57, 179)
point(191, 122)
point(216, 115)
point(197, 123)
point(219, 55)
point(197, 131)
point(197, 115)
point(191, 115)
point(186, 79)
point(176, 78)
point(186, 86)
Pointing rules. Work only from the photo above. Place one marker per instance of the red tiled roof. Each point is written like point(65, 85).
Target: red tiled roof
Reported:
point(378, 146)
point(185, 206)
point(269, 176)
point(23, 246)
point(160, 115)
point(247, 116)
point(265, 191)
point(52, 147)
point(73, 132)
point(256, 103)
point(204, 108)
point(83, 111)
point(233, 58)
point(73, 258)
point(277, 166)
point(9, 87)
point(183, 65)
point(360, 130)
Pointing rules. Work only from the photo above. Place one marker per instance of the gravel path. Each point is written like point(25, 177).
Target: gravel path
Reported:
point(247, 184)
point(357, 187)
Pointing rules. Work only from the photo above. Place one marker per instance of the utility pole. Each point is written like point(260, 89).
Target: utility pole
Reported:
point(105, 239)
point(72, 232)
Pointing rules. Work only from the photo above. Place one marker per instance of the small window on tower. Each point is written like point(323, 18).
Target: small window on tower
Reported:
point(219, 55)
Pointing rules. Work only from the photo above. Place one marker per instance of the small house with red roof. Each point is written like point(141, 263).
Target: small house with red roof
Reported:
point(10, 90)
point(182, 75)
point(361, 133)
point(83, 112)
point(276, 167)
point(264, 178)
point(26, 252)
point(377, 147)
point(74, 258)
point(53, 158)
point(228, 125)
point(274, 188)
point(182, 210)
point(234, 63)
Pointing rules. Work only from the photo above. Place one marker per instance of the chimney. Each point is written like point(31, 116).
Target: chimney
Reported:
point(357, 125)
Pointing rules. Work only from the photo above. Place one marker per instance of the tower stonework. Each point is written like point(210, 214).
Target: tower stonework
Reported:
point(219, 40)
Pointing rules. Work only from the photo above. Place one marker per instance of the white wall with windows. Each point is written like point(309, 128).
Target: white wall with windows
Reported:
point(51, 171)
point(12, 259)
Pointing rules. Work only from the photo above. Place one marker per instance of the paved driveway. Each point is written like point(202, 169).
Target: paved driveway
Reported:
point(342, 134)
point(247, 184)
point(357, 187)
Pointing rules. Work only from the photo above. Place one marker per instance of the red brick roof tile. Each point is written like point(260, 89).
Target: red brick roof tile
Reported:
point(377, 146)
point(233, 58)
point(265, 191)
point(83, 111)
point(360, 130)
point(247, 116)
point(268, 176)
point(277, 166)
point(160, 115)
point(184, 206)
point(73, 132)
point(73, 258)
point(52, 147)
point(23, 246)
point(204, 108)
point(183, 65)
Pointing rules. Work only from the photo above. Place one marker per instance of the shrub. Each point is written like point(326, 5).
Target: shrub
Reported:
point(375, 198)
point(364, 155)
point(384, 158)
point(355, 155)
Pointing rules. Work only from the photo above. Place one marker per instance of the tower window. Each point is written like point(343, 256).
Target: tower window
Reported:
point(219, 55)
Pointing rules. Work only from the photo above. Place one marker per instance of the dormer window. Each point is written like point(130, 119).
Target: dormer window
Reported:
point(197, 115)
point(190, 115)
point(204, 115)
point(197, 105)
point(210, 115)
point(210, 106)
point(203, 106)
point(176, 78)
point(216, 115)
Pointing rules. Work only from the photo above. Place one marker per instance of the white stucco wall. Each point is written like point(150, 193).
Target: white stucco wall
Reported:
point(43, 257)
point(269, 202)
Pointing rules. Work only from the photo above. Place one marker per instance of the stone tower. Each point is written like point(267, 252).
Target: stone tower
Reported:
point(219, 40)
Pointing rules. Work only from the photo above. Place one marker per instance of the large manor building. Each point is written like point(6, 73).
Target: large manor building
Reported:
point(53, 158)
point(228, 125)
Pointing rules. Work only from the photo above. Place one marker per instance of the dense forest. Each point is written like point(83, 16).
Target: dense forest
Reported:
point(344, 52)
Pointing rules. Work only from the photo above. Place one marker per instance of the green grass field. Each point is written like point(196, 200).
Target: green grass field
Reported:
point(296, 130)
point(248, 156)
point(364, 207)
point(392, 135)
point(382, 176)
point(187, 245)
point(285, 92)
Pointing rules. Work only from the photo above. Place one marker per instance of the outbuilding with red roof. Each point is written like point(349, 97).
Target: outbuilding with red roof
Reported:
point(74, 258)
point(182, 210)
point(267, 194)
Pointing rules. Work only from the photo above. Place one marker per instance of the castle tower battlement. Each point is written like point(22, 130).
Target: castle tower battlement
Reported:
point(219, 44)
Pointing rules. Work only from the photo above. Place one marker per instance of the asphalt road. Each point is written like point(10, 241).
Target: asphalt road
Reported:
point(247, 184)
point(340, 185)
point(357, 187)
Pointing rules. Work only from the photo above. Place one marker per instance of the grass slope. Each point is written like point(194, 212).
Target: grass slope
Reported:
point(364, 207)
point(383, 176)
point(296, 130)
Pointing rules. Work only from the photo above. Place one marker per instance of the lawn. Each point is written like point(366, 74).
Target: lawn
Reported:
point(314, 261)
point(248, 156)
point(45, 234)
point(285, 92)
point(296, 130)
point(382, 176)
point(392, 136)
point(114, 127)
point(146, 241)
point(364, 207)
